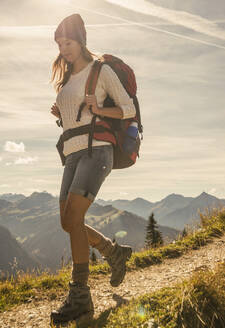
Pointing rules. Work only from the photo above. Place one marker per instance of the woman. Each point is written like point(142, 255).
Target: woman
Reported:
point(83, 176)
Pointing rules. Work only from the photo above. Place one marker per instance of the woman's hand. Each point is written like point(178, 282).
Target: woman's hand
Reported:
point(92, 101)
point(112, 112)
point(55, 110)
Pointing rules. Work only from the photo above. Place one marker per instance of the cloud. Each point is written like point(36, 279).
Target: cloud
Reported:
point(8, 163)
point(6, 114)
point(194, 22)
point(31, 190)
point(34, 31)
point(4, 185)
point(122, 193)
point(212, 191)
point(26, 160)
point(148, 26)
point(13, 147)
point(0, 159)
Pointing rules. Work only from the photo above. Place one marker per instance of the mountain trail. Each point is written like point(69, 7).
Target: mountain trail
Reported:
point(136, 283)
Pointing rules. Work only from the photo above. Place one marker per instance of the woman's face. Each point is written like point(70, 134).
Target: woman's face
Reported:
point(69, 49)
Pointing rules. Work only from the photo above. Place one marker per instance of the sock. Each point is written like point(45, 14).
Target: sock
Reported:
point(80, 273)
point(105, 246)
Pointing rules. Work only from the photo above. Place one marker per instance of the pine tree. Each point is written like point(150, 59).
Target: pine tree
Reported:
point(184, 233)
point(153, 235)
point(159, 238)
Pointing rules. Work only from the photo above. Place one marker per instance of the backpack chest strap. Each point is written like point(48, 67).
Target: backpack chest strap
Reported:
point(85, 129)
point(89, 129)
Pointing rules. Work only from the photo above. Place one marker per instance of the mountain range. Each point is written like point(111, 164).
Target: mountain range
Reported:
point(33, 223)
point(174, 211)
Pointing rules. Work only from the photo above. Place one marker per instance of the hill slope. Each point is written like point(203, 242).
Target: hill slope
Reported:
point(135, 284)
point(12, 256)
point(35, 222)
point(187, 215)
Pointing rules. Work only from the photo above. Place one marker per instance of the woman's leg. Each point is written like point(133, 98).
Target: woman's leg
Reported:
point(78, 303)
point(115, 254)
point(75, 209)
point(95, 238)
point(83, 176)
point(73, 222)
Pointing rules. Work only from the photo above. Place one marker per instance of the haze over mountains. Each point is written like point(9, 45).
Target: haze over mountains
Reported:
point(30, 226)
point(34, 222)
point(12, 255)
point(173, 211)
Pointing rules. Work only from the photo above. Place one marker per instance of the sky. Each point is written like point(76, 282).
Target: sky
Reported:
point(177, 54)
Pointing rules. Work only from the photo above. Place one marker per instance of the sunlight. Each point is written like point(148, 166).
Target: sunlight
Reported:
point(141, 311)
point(121, 234)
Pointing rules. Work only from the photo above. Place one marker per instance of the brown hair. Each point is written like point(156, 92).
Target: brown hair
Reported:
point(62, 69)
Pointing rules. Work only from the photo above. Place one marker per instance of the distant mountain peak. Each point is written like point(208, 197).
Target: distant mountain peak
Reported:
point(140, 200)
point(172, 197)
point(42, 194)
point(204, 195)
point(12, 197)
point(36, 199)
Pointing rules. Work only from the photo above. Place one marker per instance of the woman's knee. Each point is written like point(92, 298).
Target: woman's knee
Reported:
point(71, 219)
point(67, 226)
point(73, 211)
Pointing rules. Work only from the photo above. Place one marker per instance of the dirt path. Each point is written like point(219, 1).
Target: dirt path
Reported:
point(136, 283)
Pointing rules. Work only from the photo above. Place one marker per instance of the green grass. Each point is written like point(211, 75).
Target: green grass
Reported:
point(212, 225)
point(27, 286)
point(198, 302)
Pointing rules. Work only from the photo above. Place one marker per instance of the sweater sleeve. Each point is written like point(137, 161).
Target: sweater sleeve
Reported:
point(117, 92)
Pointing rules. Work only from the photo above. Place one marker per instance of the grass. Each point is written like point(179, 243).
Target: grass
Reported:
point(28, 286)
point(198, 302)
point(212, 224)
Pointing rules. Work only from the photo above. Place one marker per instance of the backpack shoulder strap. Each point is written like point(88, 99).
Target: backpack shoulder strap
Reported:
point(90, 84)
point(93, 77)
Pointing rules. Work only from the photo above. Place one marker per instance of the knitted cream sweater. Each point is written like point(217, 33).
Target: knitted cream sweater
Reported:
point(72, 94)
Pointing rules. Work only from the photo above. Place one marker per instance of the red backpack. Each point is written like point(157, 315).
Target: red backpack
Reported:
point(116, 131)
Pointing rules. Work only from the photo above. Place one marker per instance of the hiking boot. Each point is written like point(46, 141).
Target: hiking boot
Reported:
point(77, 306)
point(117, 261)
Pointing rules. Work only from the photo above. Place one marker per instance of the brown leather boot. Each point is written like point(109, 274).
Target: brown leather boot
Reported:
point(77, 306)
point(117, 262)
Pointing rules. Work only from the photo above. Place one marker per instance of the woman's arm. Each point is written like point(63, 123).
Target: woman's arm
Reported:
point(114, 112)
point(124, 106)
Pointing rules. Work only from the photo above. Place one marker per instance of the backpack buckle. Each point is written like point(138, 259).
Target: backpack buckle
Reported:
point(59, 122)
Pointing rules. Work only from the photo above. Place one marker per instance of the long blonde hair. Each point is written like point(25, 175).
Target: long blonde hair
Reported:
point(62, 69)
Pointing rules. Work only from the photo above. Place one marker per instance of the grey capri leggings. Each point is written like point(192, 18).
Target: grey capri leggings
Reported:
point(84, 175)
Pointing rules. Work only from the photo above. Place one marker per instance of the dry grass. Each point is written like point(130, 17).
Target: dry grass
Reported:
point(26, 286)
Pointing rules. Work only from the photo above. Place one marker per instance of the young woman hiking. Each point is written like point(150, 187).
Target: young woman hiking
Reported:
point(84, 175)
